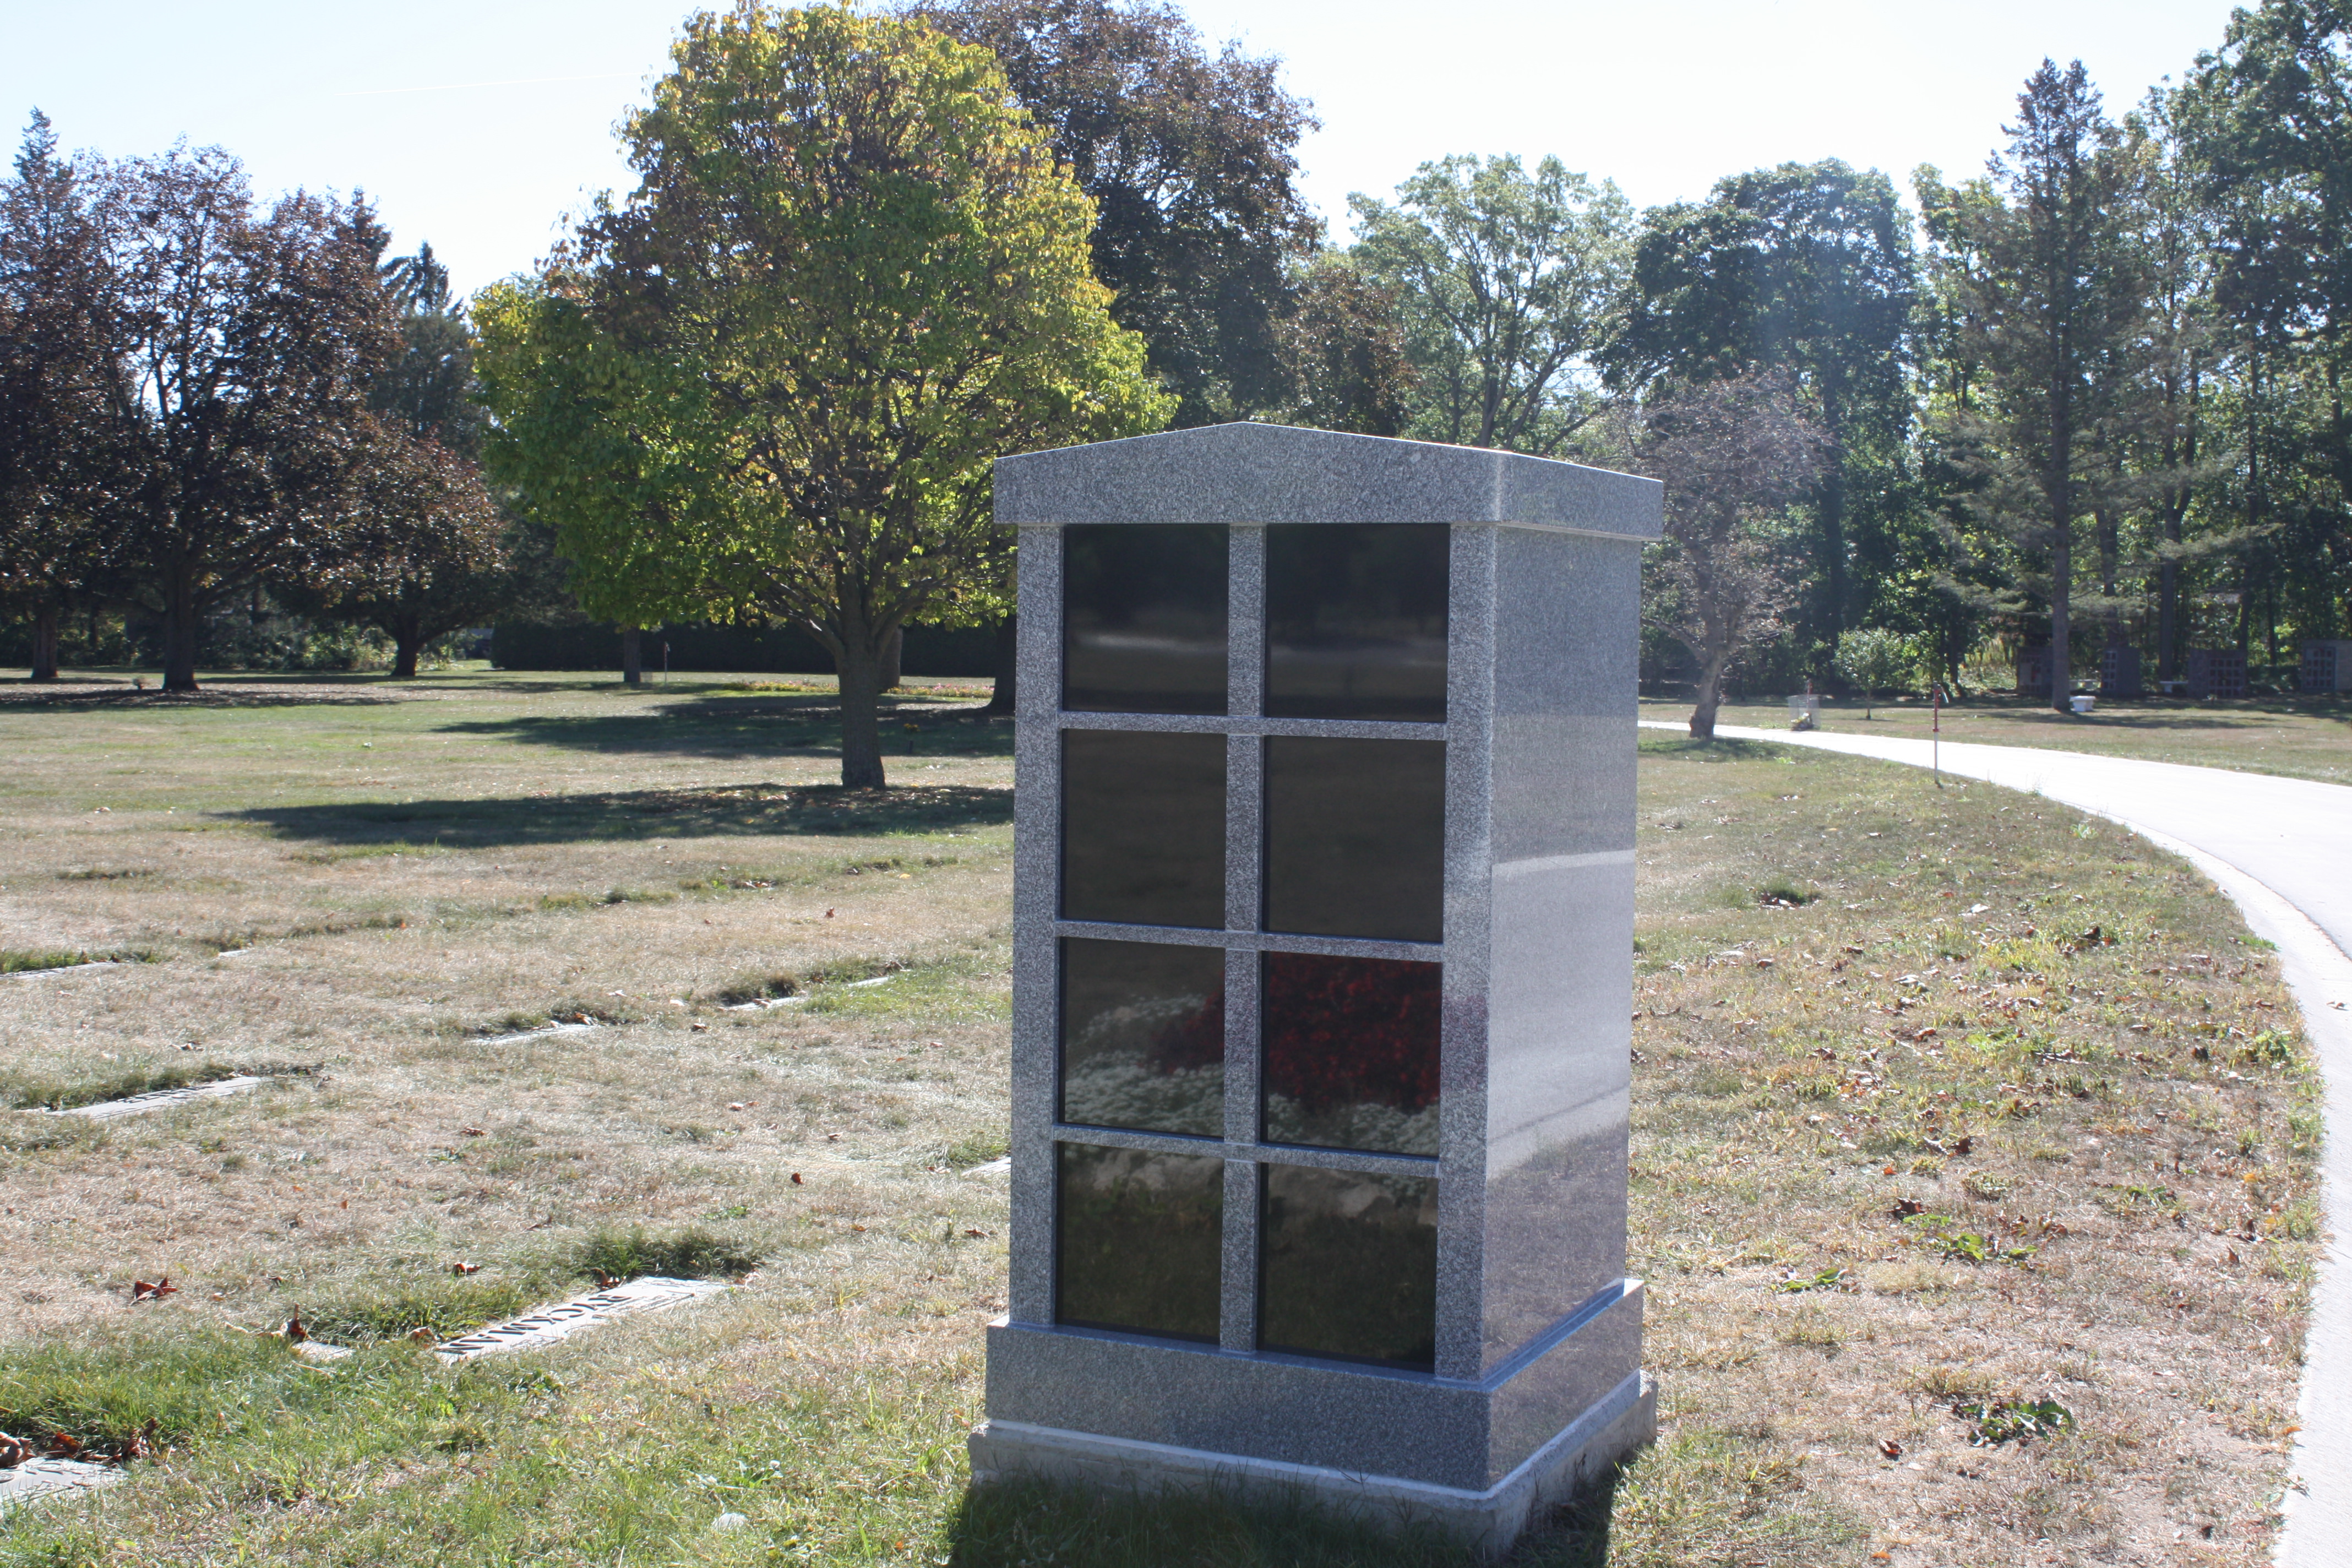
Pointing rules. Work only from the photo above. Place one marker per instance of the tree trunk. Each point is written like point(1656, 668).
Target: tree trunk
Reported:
point(633, 661)
point(1008, 653)
point(405, 639)
point(2061, 569)
point(2167, 606)
point(893, 656)
point(45, 643)
point(859, 665)
point(181, 629)
point(1710, 697)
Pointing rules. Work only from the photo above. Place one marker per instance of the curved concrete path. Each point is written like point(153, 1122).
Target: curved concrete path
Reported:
point(2282, 849)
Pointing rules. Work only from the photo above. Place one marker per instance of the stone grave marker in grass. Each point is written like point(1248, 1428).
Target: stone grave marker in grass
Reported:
point(46, 1481)
point(1323, 919)
point(157, 1100)
point(549, 1325)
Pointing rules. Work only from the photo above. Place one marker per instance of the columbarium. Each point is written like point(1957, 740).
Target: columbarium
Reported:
point(1323, 963)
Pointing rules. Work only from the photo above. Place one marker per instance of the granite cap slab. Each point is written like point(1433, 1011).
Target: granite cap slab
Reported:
point(1254, 473)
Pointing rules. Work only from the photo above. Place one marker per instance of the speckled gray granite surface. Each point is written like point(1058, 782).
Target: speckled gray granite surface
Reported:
point(1537, 1331)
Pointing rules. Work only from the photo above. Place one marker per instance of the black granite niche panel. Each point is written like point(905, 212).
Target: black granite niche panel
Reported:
point(1349, 1266)
point(1140, 1240)
point(1143, 618)
point(1355, 838)
point(1351, 1052)
point(1143, 1036)
point(1355, 620)
point(1143, 828)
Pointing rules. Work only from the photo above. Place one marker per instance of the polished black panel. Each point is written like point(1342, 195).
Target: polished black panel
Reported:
point(1143, 1036)
point(1349, 1266)
point(1355, 838)
point(1355, 620)
point(1143, 828)
point(1140, 1241)
point(1143, 618)
point(1350, 1057)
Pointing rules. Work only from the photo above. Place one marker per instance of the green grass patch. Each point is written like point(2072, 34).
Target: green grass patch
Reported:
point(27, 960)
point(693, 1253)
point(24, 1090)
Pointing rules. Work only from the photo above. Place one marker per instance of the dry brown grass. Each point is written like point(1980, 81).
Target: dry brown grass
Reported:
point(2138, 1131)
point(407, 877)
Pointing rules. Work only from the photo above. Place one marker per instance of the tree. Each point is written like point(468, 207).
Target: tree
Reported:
point(851, 276)
point(2266, 141)
point(1733, 452)
point(1807, 267)
point(1343, 352)
point(51, 304)
point(418, 554)
point(238, 347)
point(1190, 160)
point(1873, 660)
point(2051, 301)
point(1508, 283)
point(592, 441)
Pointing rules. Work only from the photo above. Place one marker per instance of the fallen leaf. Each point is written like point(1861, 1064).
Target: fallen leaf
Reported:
point(462, 1269)
point(13, 1452)
point(143, 1291)
point(1906, 1207)
point(1962, 1145)
point(796, 1180)
point(2232, 1255)
point(471, 1132)
point(64, 1443)
point(1890, 1448)
point(604, 1281)
point(421, 1335)
point(828, 914)
point(294, 1331)
point(734, 1105)
point(975, 1233)
point(1888, 1172)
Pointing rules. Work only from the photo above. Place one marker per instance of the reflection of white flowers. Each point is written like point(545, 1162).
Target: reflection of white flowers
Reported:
point(1121, 1088)
point(1382, 1128)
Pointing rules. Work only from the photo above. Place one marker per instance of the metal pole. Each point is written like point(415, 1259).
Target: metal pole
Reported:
point(1935, 746)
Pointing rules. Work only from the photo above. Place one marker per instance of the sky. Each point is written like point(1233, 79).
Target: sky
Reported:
point(479, 127)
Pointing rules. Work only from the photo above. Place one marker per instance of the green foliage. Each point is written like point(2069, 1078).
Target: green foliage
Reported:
point(772, 381)
point(1507, 282)
point(689, 1254)
point(1875, 659)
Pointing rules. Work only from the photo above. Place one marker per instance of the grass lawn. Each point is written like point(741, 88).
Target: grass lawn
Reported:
point(2300, 737)
point(1919, 1162)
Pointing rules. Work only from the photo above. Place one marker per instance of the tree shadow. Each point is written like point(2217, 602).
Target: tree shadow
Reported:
point(1721, 749)
point(753, 726)
point(736, 811)
point(1012, 1523)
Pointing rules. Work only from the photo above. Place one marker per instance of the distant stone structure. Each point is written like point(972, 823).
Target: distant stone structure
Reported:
point(1323, 921)
point(2216, 672)
point(2327, 665)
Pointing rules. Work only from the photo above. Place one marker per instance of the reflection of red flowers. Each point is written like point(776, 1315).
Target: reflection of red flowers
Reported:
point(1195, 1040)
point(1351, 1031)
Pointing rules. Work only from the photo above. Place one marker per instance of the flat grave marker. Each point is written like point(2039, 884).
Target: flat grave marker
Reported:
point(551, 1325)
point(43, 1480)
point(156, 1099)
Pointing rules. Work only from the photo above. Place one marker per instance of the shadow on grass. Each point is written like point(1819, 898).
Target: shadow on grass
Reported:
point(619, 817)
point(1012, 1524)
point(754, 726)
point(1722, 749)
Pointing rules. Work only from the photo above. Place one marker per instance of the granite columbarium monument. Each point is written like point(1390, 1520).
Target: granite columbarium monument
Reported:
point(1324, 903)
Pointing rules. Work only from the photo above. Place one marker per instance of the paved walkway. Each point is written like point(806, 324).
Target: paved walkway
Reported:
point(2282, 849)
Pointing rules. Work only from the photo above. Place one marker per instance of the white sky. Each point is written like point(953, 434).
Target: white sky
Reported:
point(1664, 97)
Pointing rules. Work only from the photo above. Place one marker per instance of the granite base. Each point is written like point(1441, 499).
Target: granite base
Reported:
point(1489, 1521)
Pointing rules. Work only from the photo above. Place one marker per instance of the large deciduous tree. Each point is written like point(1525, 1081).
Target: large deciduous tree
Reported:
point(238, 347)
point(851, 276)
point(1807, 267)
point(1509, 284)
point(420, 555)
point(52, 305)
point(1734, 453)
point(1191, 159)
